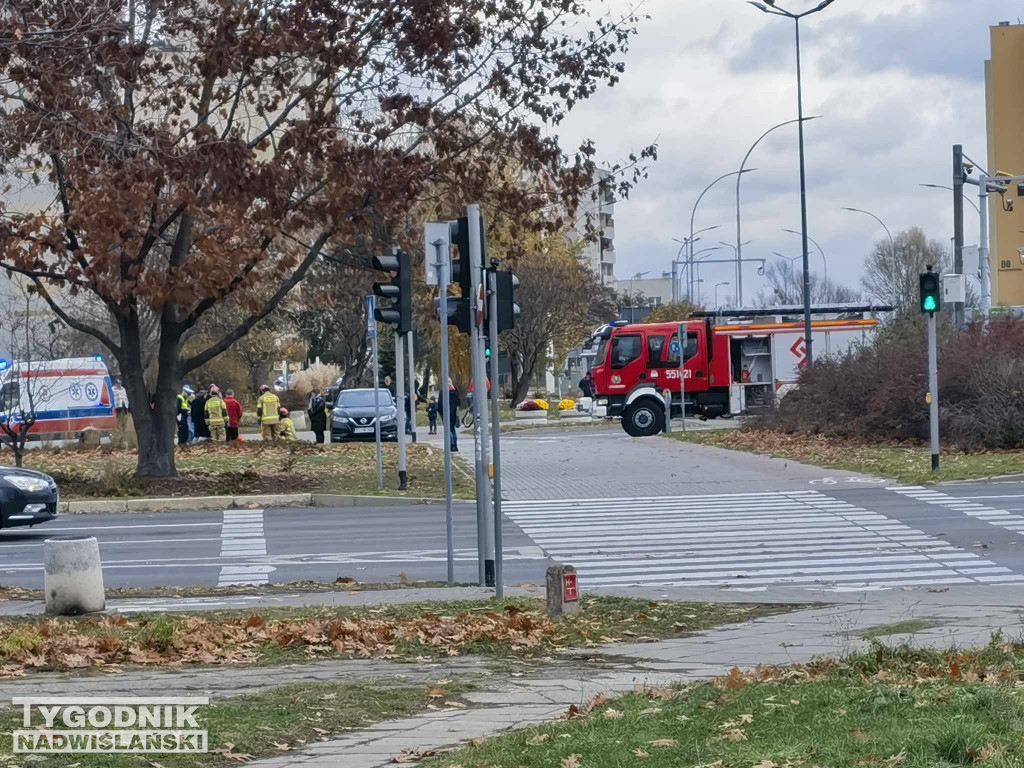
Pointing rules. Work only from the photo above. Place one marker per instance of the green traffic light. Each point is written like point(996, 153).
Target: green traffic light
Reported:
point(929, 304)
point(487, 352)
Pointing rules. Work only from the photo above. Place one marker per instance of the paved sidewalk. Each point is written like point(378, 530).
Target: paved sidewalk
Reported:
point(536, 699)
point(541, 694)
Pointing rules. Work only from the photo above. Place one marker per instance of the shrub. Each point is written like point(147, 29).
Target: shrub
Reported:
point(528, 405)
point(318, 376)
point(567, 405)
point(293, 400)
point(877, 390)
point(542, 404)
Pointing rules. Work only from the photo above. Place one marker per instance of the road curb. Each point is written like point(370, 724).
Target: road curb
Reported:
point(278, 500)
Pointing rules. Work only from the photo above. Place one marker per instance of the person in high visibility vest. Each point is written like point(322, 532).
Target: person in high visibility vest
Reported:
point(183, 414)
point(286, 426)
point(267, 413)
point(216, 416)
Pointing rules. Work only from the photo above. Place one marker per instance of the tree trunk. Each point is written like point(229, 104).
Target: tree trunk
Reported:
point(521, 383)
point(156, 426)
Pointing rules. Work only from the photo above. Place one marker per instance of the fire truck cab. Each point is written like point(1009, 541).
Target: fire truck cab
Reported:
point(731, 363)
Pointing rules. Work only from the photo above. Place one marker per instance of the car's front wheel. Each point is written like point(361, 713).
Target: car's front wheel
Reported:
point(644, 418)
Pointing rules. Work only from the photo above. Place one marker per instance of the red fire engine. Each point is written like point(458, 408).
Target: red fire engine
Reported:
point(731, 361)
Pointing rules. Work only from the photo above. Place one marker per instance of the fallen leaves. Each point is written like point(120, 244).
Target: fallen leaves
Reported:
point(664, 743)
point(171, 641)
point(412, 755)
point(612, 714)
point(572, 761)
point(641, 754)
point(540, 738)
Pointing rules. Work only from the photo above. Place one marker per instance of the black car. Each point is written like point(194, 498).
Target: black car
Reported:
point(353, 416)
point(26, 497)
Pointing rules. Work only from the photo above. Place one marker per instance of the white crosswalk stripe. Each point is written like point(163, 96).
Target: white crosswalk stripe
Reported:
point(746, 541)
point(242, 536)
point(993, 515)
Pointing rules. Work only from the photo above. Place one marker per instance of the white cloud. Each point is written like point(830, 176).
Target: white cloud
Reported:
point(897, 83)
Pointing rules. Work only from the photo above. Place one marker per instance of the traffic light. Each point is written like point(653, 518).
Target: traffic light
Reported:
point(460, 310)
point(931, 291)
point(398, 289)
point(508, 310)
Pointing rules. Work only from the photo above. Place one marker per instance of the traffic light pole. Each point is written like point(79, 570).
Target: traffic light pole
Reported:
point(933, 388)
point(499, 590)
point(412, 388)
point(400, 410)
point(443, 254)
point(958, 226)
point(485, 525)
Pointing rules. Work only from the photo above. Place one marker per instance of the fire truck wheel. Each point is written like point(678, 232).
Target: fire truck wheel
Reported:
point(644, 418)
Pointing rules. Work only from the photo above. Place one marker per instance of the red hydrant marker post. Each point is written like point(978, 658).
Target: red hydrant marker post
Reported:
point(563, 591)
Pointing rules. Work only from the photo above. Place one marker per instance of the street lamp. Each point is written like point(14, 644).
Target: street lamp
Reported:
point(637, 276)
point(684, 243)
point(695, 265)
point(869, 213)
point(717, 286)
point(693, 214)
point(824, 261)
point(739, 236)
point(792, 269)
point(775, 10)
point(943, 186)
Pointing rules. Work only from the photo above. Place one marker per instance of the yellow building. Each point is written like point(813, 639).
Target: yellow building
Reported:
point(1004, 89)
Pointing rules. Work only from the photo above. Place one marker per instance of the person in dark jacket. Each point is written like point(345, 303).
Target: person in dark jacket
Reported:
point(587, 385)
point(199, 416)
point(452, 402)
point(317, 415)
point(432, 415)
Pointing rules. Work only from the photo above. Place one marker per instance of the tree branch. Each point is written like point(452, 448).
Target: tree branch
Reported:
point(190, 364)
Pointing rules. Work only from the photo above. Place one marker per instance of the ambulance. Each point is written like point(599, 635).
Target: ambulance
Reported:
point(66, 397)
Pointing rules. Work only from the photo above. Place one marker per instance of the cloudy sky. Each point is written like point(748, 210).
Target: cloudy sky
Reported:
point(897, 83)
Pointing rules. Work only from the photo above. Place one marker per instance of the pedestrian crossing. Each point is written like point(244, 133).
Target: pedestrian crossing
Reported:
point(242, 536)
point(968, 506)
point(745, 541)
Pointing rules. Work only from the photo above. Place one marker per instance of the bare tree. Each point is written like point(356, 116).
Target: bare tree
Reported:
point(785, 287)
point(891, 270)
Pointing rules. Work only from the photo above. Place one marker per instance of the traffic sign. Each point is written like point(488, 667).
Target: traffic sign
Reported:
point(371, 323)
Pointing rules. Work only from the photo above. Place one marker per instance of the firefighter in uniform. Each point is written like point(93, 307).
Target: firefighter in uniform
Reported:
point(183, 414)
point(267, 413)
point(216, 416)
point(286, 428)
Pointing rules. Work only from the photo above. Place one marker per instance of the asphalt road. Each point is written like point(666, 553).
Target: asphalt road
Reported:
point(192, 548)
point(626, 512)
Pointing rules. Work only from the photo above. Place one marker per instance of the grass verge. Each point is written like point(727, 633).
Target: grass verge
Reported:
point(269, 724)
point(401, 632)
point(248, 468)
point(906, 464)
point(341, 584)
point(899, 708)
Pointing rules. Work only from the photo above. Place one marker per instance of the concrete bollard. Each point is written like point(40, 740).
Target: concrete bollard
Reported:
point(563, 592)
point(74, 576)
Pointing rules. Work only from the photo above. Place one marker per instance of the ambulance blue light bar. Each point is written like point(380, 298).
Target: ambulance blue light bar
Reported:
point(4, 365)
point(99, 358)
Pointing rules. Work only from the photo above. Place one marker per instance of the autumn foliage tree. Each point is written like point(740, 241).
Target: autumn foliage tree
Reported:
point(166, 156)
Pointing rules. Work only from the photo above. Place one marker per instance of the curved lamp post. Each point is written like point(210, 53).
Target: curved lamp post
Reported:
point(824, 261)
point(693, 214)
point(771, 6)
point(944, 186)
point(717, 286)
point(892, 242)
point(739, 235)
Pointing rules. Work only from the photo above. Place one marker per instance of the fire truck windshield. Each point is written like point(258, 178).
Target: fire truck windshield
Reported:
point(601, 356)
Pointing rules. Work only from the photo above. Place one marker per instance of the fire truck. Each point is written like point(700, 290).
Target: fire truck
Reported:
point(733, 362)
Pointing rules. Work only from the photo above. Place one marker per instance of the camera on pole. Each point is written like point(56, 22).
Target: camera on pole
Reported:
point(398, 289)
point(931, 291)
